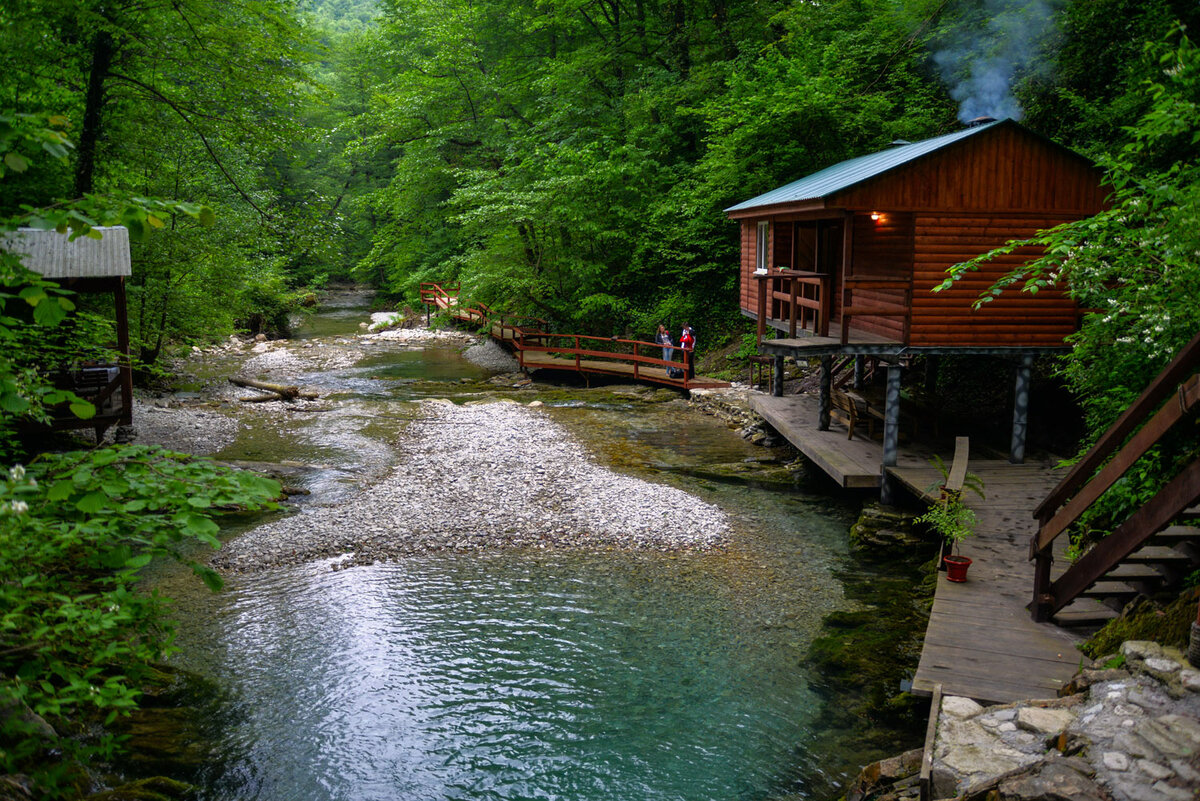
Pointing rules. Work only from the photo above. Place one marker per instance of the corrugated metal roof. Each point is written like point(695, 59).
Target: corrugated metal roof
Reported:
point(54, 256)
point(848, 173)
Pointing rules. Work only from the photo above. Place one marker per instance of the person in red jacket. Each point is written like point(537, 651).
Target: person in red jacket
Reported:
point(687, 341)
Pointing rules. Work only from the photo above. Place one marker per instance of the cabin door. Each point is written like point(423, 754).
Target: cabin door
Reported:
point(817, 247)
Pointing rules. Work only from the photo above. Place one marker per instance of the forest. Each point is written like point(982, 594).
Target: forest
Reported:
point(564, 158)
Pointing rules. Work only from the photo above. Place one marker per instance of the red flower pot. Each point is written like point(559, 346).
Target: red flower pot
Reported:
point(956, 567)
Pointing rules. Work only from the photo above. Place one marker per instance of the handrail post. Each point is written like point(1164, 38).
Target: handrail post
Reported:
point(826, 302)
point(636, 355)
point(762, 307)
point(1043, 600)
point(795, 284)
point(847, 294)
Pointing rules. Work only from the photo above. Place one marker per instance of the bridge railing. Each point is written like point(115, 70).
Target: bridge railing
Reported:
point(528, 334)
point(581, 348)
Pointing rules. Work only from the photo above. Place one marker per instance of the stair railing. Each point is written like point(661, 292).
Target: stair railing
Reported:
point(1083, 486)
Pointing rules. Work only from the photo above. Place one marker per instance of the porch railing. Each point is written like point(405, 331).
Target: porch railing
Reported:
point(802, 296)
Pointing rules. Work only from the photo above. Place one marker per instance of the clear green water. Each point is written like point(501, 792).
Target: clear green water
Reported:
point(522, 676)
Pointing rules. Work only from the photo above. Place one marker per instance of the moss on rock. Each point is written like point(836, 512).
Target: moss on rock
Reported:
point(1144, 619)
point(155, 788)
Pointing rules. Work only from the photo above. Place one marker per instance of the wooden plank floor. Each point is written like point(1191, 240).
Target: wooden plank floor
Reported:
point(852, 463)
point(535, 360)
point(980, 641)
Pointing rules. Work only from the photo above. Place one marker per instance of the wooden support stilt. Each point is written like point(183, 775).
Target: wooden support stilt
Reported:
point(891, 432)
point(859, 369)
point(826, 383)
point(1021, 410)
point(777, 377)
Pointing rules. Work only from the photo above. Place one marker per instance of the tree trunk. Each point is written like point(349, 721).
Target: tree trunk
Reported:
point(103, 51)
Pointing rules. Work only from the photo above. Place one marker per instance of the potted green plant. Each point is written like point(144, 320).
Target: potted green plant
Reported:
point(955, 521)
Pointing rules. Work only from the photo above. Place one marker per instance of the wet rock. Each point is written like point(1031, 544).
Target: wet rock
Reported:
point(155, 788)
point(33, 724)
point(959, 707)
point(886, 772)
point(885, 527)
point(1054, 780)
point(15, 787)
point(1087, 677)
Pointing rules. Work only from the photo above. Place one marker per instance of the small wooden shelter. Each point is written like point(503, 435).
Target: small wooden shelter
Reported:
point(87, 266)
point(844, 261)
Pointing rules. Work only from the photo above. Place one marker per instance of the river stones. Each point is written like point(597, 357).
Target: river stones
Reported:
point(486, 477)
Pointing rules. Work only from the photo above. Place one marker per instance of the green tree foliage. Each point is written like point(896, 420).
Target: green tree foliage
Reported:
point(76, 637)
point(1135, 267)
point(572, 160)
point(187, 99)
point(1097, 69)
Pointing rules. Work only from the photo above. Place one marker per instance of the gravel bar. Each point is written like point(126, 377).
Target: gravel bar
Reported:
point(486, 477)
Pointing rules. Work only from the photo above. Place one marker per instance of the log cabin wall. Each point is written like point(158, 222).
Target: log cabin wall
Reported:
point(883, 248)
point(1013, 319)
point(749, 287)
point(1009, 168)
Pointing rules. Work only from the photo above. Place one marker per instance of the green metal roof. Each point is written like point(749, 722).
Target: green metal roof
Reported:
point(854, 171)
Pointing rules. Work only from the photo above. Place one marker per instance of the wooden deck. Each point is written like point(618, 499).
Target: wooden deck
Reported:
point(852, 463)
point(980, 641)
point(858, 342)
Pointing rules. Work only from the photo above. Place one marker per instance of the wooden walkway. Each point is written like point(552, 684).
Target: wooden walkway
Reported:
point(980, 641)
point(538, 349)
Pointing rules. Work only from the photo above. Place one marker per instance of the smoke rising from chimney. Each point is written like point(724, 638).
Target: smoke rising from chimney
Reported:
point(980, 61)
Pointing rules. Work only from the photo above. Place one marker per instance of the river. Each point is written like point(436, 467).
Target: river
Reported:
point(639, 676)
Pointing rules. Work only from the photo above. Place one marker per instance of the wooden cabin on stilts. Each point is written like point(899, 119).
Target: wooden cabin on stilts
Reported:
point(87, 266)
point(843, 263)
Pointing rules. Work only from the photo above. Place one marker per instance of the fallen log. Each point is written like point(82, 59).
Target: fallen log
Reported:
point(286, 393)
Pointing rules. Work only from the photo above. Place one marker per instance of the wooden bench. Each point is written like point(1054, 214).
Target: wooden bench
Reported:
point(850, 409)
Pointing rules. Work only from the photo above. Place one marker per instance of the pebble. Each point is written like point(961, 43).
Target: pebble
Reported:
point(486, 477)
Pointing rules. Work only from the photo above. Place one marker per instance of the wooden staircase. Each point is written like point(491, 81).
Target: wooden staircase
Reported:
point(1158, 545)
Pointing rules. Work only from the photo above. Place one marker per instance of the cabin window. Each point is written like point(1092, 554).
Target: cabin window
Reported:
point(762, 254)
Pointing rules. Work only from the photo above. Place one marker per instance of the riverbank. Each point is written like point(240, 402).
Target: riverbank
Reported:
point(483, 477)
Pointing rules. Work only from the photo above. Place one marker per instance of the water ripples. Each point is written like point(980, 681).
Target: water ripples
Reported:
point(506, 678)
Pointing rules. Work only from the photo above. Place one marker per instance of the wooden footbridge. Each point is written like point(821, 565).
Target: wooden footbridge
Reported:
point(536, 348)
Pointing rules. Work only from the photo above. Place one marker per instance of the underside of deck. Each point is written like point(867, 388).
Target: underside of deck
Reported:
point(980, 641)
